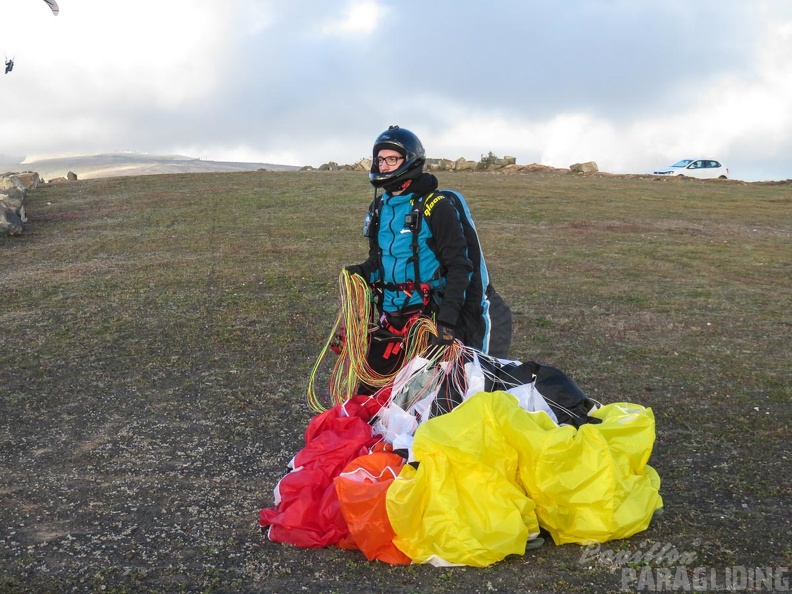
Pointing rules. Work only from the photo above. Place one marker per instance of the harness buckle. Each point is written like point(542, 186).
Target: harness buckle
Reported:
point(426, 293)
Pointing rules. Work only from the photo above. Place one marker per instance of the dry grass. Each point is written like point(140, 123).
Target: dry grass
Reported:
point(158, 333)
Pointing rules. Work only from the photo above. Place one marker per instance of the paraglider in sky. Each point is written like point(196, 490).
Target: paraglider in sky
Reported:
point(9, 62)
point(53, 5)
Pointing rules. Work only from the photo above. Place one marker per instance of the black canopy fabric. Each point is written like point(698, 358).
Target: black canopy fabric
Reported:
point(562, 394)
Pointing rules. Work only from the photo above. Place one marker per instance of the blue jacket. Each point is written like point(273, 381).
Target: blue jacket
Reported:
point(395, 237)
point(449, 259)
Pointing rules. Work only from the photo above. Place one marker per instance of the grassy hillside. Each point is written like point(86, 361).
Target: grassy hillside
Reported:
point(158, 333)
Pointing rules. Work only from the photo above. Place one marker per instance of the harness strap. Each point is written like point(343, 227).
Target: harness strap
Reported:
point(414, 223)
point(408, 288)
point(415, 227)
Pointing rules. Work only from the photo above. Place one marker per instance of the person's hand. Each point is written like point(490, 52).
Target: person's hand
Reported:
point(445, 336)
point(338, 342)
point(355, 269)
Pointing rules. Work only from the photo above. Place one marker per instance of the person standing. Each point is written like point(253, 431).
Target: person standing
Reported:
point(425, 258)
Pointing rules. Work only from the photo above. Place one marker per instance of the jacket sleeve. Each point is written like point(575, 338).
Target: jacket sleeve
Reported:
point(451, 249)
point(370, 268)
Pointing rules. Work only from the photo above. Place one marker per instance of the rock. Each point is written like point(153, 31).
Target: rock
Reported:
point(14, 198)
point(13, 189)
point(439, 165)
point(23, 181)
point(463, 164)
point(588, 167)
point(362, 165)
point(10, 221)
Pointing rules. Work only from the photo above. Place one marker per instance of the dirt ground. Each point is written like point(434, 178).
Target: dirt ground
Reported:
point(150, 400)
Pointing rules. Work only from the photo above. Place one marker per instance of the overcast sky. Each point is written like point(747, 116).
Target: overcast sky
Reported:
point(629, 84)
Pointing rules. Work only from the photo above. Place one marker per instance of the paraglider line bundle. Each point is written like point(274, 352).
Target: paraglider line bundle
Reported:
point(351, 332)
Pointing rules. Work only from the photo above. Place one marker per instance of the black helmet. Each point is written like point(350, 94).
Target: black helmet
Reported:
point(405, 143)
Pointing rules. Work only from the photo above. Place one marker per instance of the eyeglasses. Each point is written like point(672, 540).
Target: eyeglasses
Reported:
point(389, 160)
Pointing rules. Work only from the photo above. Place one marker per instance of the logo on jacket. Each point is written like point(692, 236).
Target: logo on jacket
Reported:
point(428, 210)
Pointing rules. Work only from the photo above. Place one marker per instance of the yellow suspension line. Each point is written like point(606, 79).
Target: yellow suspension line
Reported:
point(354, 321)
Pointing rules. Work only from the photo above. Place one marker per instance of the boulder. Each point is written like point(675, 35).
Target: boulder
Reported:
point(13, 198)
point(439, 165)
point(24, 180)
point(588, 167)
point(10, 221)
point(362, 165)
point(13, 189)
point(463, 164)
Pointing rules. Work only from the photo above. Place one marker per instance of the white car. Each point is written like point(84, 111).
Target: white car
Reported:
point(700, 168)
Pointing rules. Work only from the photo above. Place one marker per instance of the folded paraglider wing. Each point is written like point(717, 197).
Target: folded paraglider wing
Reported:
point(307, 513)
point(491, 474)
point(362, 490)
point(521, 450)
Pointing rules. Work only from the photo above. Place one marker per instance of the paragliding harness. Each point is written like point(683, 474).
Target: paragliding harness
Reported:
point(412, 221)
point(9, 65)
point(398, 324)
